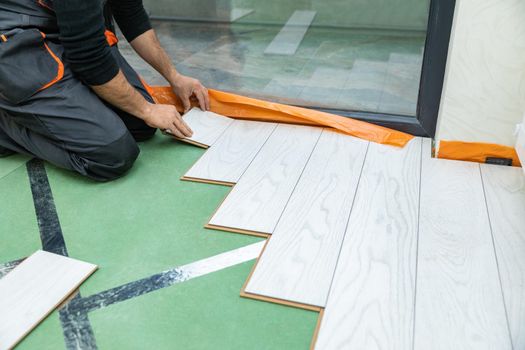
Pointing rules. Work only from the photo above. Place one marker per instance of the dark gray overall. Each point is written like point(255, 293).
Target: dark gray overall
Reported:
point(46, 112)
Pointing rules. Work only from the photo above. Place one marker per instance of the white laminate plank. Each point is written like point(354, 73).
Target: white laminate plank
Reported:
point(34, 289)
point(459, 302)
point(258, 199)
point(505, 193)
point(299, 260)
point(207, 126)
point(371, 301)
point(292, 34)
point(231, 154)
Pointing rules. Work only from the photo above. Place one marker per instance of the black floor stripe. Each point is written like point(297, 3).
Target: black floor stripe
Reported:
point(46, 214)
point(77, 330)
point(78, 333)
point(128, 291)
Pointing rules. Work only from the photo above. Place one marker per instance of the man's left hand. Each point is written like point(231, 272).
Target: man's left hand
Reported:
point(187, 88)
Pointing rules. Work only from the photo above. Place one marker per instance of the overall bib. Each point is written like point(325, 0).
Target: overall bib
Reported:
point(46, 112)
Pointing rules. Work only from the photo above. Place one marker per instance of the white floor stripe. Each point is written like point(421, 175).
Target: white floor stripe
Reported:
point(222, 261)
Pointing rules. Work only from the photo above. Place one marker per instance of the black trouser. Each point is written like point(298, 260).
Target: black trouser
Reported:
point(65, 123)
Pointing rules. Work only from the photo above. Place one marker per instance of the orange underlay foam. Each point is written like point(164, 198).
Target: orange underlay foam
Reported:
point(241, 107)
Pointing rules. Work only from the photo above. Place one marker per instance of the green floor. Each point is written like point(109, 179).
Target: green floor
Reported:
point(145, 223)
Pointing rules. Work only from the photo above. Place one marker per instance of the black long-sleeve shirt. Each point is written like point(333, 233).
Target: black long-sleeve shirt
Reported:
point(82, 25)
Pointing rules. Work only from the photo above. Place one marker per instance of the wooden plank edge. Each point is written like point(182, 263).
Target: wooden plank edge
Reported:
point(191, 142)
point(206, 181)
point(235, 230)
point(57, 305)
point(294, 304)
point(317, 329)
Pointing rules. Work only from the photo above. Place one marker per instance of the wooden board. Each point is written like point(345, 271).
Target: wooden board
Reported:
point(299, 261)
point(258, 199)
point(505, 193)
point(34, 289)
point(371, 302)
point(459, 303)
point(231, 154)
point(292, 34)
point(207, 127)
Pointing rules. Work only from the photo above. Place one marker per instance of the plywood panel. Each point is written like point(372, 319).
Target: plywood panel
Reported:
point(371, 302)
point(484, 59)
point(34, 289)
point(459, 303)
point(257, 201)
point(505, 192)
point(206, 126)
point(299, 260)
point(230, 156)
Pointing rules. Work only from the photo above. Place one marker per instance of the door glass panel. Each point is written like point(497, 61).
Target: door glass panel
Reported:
point(352, 55)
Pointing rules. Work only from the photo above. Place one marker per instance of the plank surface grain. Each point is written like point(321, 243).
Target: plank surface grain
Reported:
point(371, 301)
point(207, 126)
point(459, 302)
point(299, 260)
point(258, 199)
point(505, 193)
point(231, 154)
point(34, 289)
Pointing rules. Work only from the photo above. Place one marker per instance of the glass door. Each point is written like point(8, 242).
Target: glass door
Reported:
point(364, 59)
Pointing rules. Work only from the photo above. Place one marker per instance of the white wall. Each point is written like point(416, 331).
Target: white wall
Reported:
point(484, 92)
point(520, 144)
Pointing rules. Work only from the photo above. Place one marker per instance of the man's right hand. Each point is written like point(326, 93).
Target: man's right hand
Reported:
point(118, 92)
point(166, 118)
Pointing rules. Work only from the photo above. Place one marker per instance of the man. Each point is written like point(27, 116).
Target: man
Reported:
point(68, 96)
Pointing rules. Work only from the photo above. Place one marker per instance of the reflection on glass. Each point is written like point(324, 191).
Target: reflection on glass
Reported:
point(340, 54)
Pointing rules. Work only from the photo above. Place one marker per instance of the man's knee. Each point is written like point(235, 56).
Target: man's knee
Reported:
point(143, 134)
point(111, 161)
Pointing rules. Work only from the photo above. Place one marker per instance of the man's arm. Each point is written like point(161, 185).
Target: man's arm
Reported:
point(147, 45)
point(118, 92)
point(136, 27)
point(81, 25)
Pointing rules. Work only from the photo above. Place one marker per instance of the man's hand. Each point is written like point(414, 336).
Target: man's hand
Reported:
point(166, 118)
point(186, 88)
point(148, 47)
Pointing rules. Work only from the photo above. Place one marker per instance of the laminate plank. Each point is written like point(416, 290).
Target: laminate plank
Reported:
point(505, 194)
point(207, 127)
point(299, 260)
point(371, 301)
point(231, 155)
point(291, 35)
point(459, 303)
point(257, 201)
point(34, 289)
